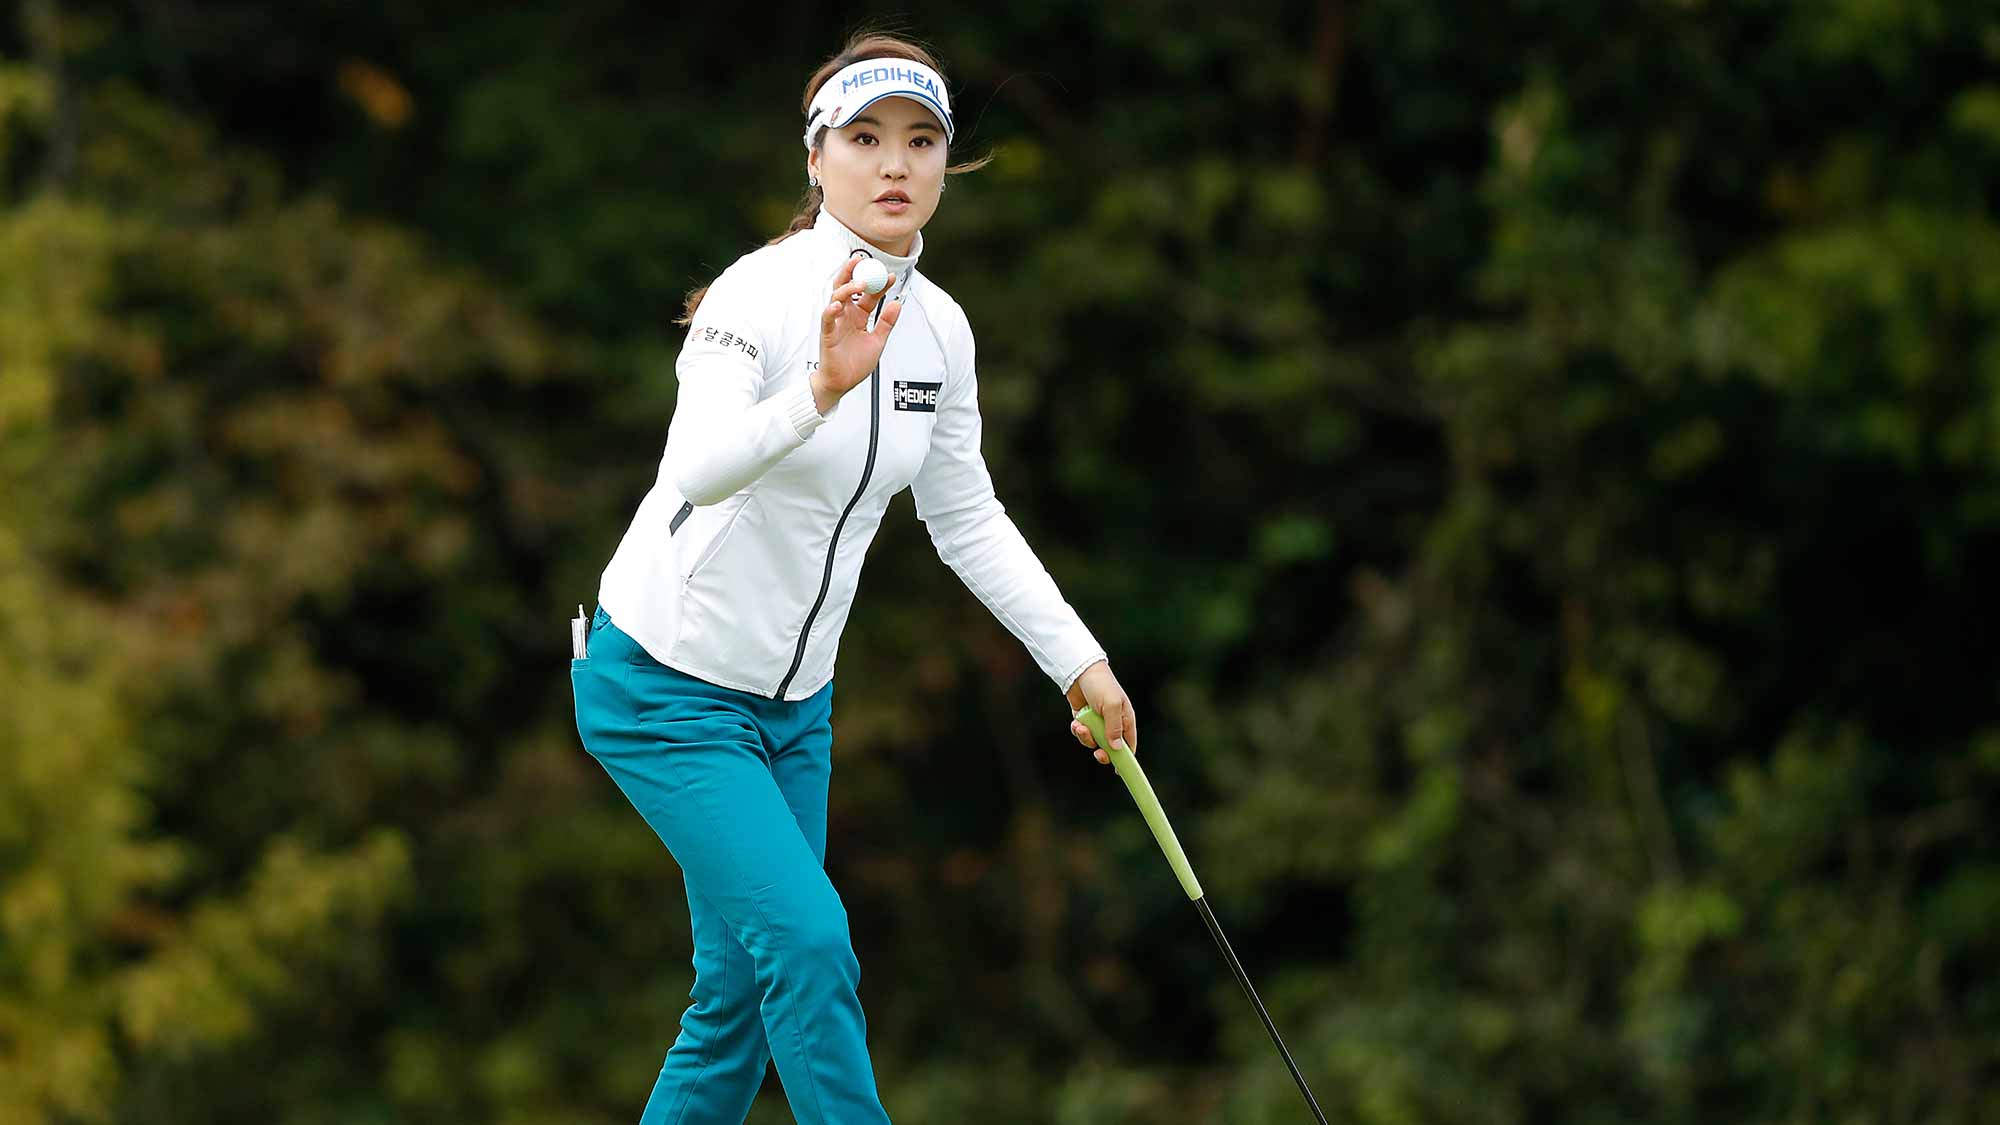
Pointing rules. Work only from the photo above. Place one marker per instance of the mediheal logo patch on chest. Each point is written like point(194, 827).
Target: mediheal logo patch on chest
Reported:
point(915, 396)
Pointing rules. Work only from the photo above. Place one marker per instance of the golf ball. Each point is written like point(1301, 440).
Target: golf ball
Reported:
point(873, 275)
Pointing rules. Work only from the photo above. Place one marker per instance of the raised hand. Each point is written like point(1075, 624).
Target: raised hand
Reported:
point(848, 347)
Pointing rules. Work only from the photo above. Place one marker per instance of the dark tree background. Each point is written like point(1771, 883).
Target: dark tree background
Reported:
point(1536, 465)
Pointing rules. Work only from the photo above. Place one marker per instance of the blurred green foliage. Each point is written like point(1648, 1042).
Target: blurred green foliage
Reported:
point(1536, 466)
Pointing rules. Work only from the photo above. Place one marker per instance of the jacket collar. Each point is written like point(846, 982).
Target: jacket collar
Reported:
point(841, 242)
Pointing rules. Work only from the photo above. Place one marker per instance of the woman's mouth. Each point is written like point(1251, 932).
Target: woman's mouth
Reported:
point(894, 202)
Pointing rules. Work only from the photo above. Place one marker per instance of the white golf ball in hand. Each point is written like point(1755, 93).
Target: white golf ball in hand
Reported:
point(873, 275)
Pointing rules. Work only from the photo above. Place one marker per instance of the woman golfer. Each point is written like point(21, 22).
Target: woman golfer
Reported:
point(805, 404)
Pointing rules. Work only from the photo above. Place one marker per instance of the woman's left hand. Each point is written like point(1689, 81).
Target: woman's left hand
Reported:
point(1099, 688)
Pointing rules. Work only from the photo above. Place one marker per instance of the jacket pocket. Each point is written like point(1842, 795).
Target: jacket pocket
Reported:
point(714, 545)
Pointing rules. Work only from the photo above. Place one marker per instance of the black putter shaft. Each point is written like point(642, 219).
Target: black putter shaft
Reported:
point(1149, 805)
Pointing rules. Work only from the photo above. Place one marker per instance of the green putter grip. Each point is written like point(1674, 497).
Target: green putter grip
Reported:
point(1142, 792)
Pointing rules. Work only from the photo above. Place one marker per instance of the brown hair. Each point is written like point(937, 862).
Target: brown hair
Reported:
point(862, 45)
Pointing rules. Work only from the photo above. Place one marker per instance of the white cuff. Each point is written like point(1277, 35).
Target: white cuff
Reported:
point(803, 412)
point(1070, 680)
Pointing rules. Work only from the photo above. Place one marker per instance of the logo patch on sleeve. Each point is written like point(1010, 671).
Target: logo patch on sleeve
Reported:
point(909, 395)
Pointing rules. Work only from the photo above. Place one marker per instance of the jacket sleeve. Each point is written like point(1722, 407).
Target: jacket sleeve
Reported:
point(726, 432)
point(976, 538)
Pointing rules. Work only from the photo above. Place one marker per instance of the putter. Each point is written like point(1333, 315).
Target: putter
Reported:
point(1142, 792)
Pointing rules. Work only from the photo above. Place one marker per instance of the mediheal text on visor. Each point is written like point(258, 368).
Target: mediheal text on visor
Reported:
point(888, 74)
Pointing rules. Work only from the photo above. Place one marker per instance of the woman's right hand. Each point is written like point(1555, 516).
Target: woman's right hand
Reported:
point(848, 348)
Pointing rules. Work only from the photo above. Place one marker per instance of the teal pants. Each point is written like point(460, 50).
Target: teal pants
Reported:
point(735, 785)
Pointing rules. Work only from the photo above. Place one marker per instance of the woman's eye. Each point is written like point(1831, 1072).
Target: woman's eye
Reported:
point(860, 138)
point(922, 142)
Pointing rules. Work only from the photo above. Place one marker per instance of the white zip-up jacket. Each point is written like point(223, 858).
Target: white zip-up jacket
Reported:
point(741, 563)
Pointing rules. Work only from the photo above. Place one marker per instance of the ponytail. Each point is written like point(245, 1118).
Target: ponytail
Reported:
point(808, 211)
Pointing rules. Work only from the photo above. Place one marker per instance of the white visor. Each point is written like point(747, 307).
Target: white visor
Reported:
point(859, 85)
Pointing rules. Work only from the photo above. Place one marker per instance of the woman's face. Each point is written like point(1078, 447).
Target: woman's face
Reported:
point(894, 148)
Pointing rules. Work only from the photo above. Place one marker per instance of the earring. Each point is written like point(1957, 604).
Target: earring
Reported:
point(941, 186)
point(812, 181)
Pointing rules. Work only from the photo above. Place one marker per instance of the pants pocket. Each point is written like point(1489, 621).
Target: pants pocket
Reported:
point(601, 706)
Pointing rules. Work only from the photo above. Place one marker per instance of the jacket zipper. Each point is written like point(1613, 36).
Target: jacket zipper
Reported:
point(826, 579)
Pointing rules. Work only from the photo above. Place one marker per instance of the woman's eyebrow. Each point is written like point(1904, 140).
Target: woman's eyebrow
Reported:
point(864, 119)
